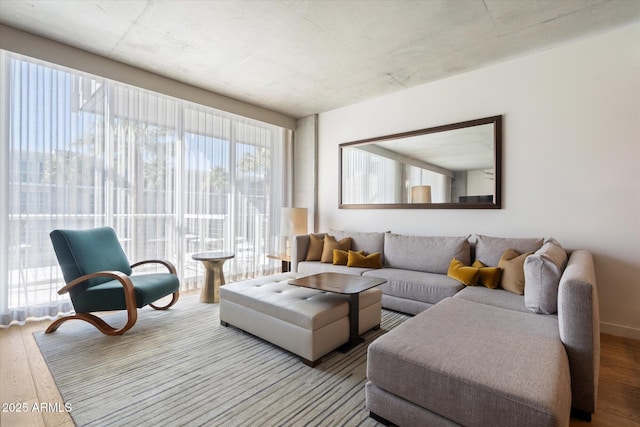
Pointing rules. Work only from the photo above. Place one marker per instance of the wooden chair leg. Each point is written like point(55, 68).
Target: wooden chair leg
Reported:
point(100, 324)
point(103, 326)
point(174, 299)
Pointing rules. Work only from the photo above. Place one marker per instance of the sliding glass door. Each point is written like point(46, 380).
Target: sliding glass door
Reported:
point(172, 177)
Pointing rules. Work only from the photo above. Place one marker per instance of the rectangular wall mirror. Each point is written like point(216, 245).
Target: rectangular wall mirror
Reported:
point(455, 166)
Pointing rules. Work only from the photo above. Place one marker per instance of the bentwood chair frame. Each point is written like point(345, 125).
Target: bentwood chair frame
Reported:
point(71, 248)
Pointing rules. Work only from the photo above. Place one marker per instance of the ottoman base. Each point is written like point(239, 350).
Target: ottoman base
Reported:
point(306, 322)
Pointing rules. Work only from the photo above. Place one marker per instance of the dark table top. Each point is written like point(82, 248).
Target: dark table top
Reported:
point(337, 282)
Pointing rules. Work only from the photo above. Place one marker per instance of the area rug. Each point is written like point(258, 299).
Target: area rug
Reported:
point(181, 367)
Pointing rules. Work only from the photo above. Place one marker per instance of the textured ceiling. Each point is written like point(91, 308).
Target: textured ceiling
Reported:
point(304, 57)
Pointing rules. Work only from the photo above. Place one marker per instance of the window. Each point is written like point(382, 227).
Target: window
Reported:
point(171, 177)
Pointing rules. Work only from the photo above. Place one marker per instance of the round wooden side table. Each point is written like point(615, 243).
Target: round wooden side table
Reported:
point(214, 276)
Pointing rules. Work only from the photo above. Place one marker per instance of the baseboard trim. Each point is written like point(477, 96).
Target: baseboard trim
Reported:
point(620, 331)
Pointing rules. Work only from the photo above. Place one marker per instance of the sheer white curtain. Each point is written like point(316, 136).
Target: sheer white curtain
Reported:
point(440, 184)
point(370, 178)
point(171, 177)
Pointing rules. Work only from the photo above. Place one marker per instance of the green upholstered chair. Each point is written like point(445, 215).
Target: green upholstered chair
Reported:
point(99, 277)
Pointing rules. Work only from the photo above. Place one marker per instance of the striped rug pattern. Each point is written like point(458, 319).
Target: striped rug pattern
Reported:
point(181, 367)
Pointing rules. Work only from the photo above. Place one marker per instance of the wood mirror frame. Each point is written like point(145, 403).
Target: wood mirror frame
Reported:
point(442, 152)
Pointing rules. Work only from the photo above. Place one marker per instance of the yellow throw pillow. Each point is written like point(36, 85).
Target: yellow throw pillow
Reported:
point(512, 265)
point(359, 259)
point(464, 274)
point(330, 244)
point(489, 276)
point(341, 257)
point(314, 251)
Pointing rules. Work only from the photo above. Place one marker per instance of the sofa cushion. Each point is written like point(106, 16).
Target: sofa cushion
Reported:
point(494, 297)
point(488, 276)
point(416, 285)
point(476, 365)
point(490, 249)
point(330, 243)
point(512, 265)
point(542, 272)
point(314, 267)
point(359, 259)
point(425, 253)
point(464, 274)
point(314, 250)
point(370, 242)
point(404, 305)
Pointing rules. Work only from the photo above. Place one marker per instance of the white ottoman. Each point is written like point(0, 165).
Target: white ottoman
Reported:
point(306, 322)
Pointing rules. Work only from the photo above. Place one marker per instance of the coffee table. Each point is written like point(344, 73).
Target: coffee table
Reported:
point(214, 276)
point(346, 284)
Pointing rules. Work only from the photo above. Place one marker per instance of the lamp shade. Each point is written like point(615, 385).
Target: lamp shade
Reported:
point(421, 194)
point(293, 221)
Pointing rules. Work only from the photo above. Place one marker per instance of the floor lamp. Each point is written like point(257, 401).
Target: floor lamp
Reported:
point(293, 221)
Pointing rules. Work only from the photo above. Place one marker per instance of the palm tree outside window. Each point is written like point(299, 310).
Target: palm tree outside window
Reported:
point(172, 178)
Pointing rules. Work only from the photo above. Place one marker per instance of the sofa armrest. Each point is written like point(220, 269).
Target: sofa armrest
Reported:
point(299, 246)
point(579, 323)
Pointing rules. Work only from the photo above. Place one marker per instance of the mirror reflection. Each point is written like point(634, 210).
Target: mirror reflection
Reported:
point(452, 166)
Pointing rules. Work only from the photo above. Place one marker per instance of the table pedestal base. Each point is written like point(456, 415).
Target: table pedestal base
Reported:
point(214, 278)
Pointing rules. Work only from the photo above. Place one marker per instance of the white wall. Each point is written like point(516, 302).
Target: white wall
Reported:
point(571, 157)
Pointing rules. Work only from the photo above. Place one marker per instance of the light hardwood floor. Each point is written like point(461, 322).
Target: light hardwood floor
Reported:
point(25, 379)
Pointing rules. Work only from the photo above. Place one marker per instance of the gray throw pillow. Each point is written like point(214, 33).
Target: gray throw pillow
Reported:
point(542, 273)
point(490, 249)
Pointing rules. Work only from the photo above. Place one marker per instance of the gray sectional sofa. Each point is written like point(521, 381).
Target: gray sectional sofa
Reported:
point(415, 266)
point(472, 355)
